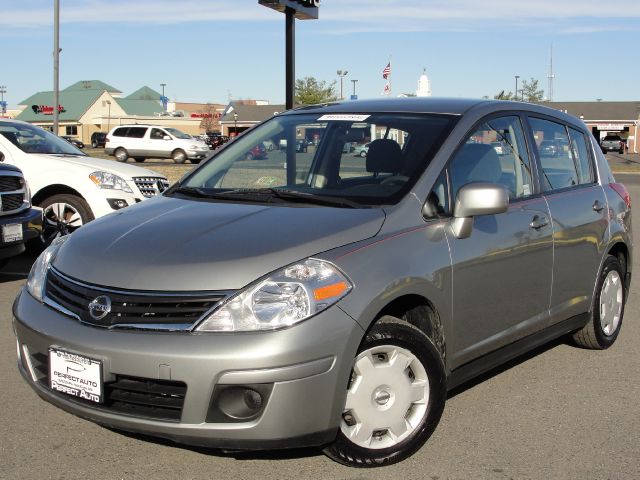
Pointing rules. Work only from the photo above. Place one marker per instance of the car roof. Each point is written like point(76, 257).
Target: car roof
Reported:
point(437, 105)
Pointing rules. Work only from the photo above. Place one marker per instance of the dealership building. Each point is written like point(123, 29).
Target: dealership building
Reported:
point(607, 118)
point(92, 106)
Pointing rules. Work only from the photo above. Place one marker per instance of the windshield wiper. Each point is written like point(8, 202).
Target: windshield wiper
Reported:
point(268, 194)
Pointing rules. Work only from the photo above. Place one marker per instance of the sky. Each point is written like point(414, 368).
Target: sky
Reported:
point(217, 50)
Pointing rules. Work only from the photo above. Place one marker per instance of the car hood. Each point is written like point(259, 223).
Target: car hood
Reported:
point(93, 164)
point(172, 244)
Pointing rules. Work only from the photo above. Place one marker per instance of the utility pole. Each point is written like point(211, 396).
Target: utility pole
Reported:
point(56, 65)
point(341, 74)
point(3, 106)
point(354, 88)
point(551, 76)
point(515, 94)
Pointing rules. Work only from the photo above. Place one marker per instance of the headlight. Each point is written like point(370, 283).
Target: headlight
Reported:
point(288, 296)
point(27, 190)
point(38, 273)
point(110, 181)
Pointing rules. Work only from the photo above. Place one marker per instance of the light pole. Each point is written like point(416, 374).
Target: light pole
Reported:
point(3, 106)
point(109, 116)
point(354, 87)
point(163, 98)
point(341, 74)
point(515, 94)
point(235, 124)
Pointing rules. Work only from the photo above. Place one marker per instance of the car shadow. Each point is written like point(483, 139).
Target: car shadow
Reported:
point(494, 372)
point(18, 267)
point(282, 454)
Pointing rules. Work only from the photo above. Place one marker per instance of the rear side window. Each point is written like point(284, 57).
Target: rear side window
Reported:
point(558, 166)
point(581, 156)
point(136, 132)
point(120, 132)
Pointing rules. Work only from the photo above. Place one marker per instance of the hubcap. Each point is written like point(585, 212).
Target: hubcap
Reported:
point(60, 219)
point(387, 397)
point(611, 303)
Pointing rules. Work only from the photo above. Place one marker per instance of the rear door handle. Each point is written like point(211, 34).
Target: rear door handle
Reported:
point(538, 222)
point(597, 206)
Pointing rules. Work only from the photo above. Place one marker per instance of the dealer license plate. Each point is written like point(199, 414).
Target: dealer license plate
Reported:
point(75, 375)
point(11, 233)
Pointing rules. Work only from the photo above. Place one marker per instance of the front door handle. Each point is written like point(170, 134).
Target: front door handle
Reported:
point(538, 222)
point(597, 206)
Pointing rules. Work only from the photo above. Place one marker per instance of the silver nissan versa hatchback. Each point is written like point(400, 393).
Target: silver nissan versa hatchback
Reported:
point(317, 298)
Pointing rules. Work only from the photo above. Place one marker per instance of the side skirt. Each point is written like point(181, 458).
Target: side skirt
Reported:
point(496, 358)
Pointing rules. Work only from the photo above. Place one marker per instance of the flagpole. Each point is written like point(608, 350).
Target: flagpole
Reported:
point(390, 71)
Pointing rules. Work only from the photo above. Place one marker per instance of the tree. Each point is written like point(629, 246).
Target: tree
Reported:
point(528, 93)
point(310, 91)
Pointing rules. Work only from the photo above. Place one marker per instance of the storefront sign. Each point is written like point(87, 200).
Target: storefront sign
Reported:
point(46, 109)
point(610, 126)
point(205, 115)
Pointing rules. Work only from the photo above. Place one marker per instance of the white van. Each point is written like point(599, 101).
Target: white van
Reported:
point(71, 187)
point(151, 141)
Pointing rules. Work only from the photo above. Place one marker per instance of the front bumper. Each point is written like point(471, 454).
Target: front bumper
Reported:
point(197, 154)
point(306, 368)
point(31, 221)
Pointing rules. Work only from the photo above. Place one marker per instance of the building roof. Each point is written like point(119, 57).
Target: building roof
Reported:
point(144, 93)
point(599, 110)
point(91, 85)
point(74, 102)
point(139, 107)
point(251, 113)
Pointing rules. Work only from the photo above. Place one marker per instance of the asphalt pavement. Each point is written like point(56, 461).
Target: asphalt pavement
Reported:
point(558, 413)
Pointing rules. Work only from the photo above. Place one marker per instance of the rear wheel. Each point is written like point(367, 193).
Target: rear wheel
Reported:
point(63, 214)
point(395, 397)
point(94, 145)
point(179, 156)
point(607, 309)
point(363, 153)
point(121, 155)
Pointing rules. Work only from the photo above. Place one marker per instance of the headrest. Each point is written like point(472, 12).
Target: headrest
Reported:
point(476, 162)
point(384, 156)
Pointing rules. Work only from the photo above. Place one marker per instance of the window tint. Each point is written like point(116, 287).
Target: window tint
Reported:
point(559, 159)
point(120, 132)
point(580, 152)
point(495, 153)
point(136, 132)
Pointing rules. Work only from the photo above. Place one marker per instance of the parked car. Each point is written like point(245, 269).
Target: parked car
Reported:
point(257, 152)
point(150, 141)
point(98, 139)
point(71, 187)
point(549, 148)
point(361, 150)
point(73, 141)
point(612, 143)
point(19, 221)
point(334, 303)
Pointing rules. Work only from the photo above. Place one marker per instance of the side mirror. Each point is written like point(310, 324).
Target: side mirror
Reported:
point(166, 137)
point(477, 199)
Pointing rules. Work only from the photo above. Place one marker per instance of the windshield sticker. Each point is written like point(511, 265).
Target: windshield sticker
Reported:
point(344, 117)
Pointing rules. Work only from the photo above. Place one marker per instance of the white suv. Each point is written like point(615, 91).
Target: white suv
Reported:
point(71, 187)
point(151, 141)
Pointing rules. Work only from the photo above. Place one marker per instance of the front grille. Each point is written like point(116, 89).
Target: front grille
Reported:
point(129, 309)
point(138, 397)
point(151, 186)
point(11, 201)
point(10, 184)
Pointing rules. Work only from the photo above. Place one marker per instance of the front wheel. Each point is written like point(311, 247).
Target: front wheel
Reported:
point(607, 309)
point(121, 155)
point(395, 397)
point(63, 214)
point(363, 153)
point(178, 156)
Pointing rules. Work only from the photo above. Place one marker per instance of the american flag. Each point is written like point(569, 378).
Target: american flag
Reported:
point(387, 71)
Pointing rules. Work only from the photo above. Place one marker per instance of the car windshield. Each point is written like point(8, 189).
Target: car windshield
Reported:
point(32, 139)
point(314, 158)
point(177, 133)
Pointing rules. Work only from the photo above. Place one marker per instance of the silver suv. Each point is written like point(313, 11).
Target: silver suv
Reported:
point(335, 301)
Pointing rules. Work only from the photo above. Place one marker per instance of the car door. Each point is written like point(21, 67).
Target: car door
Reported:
point(502, 272)
point(157, 146)
point(578, 208)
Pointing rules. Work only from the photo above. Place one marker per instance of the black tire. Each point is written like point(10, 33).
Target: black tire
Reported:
point(393, 332)
point(121, 154)
point(4, 262)
point(55, 226)
point(94, 145)
point(179, 156)
point(621, 151)
point(139, 159)
point(248, 156)
point(594, 335)
point(363, 153)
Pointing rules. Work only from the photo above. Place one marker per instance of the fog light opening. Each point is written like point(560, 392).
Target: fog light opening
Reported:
point(117, 203)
